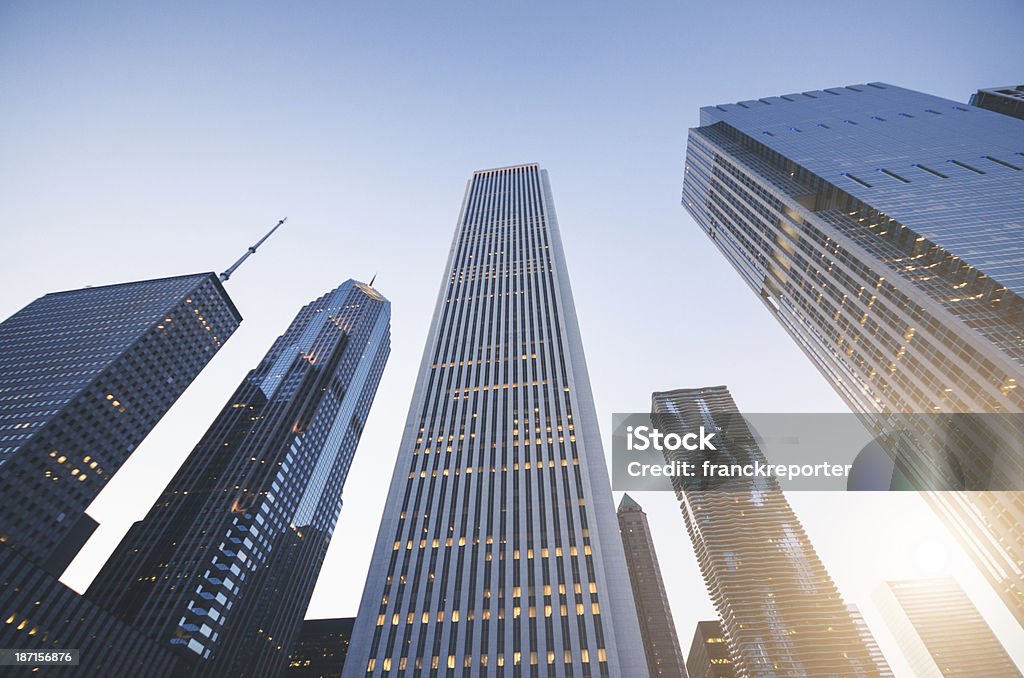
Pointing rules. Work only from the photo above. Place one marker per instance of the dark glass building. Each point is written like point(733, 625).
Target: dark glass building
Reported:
point(1005, 100)
point(658, 630)
point(84, 376)
point(883, 228)
point(223, 566)
point(320, 648)
point(940, 630)
point(709, 653)
point(498, 553)
point(781, 613)
point(40, 613)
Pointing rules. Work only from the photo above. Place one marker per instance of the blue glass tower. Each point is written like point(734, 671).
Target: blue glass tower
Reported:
point(223, 566)
point(84, 376)
point(884, 229)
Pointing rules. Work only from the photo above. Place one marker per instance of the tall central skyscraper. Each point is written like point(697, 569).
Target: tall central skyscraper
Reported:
point(781, 613)
point(884, 229)
point(222, 567)
point(499, 552)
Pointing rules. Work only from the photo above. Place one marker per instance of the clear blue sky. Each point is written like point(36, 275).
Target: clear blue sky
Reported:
point(139, 141)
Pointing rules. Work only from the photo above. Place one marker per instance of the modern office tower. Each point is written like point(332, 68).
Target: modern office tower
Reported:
point(223, 566)
point(658, 630)
point(781, 613)
point(320, 648)
point(869, 641)
point(498, 552)
point(84, 376)
point(709, 653)
point(1005, 100)
point(940, 630)
point(882, 228)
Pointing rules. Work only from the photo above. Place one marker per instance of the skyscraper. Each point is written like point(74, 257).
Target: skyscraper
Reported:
point(498, 553)
point(709, 653)
point(84, 376)
point(223, 566)
point(1005, 100)
point(658, 630)
point(882, 228)
point(940, 630)
point(40, 613)
point(320, 648)
point(781, 613)
point(869, 640)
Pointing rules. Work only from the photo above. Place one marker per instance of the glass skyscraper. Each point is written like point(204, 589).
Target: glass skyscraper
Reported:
point(84, 376)
point(884, 229)
point(869, 640)
point(940, 630)
point(657, 628)
point(709, 654)
point(498, 552)
point(38, 612)
point(223, 566)
point(782, 616)
point(319, 649)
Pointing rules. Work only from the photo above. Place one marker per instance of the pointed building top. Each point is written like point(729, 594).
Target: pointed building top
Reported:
point(629, 504)
point(249, 252)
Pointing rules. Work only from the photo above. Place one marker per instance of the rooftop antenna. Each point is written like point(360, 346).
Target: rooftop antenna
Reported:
point(372, 279)
point(252, 250)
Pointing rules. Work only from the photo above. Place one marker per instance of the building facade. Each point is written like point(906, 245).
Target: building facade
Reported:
point(709, 653)
point(869, 640)
point(222, 567)
point(498, 552)
point(42, 614)
point(882, 228)
point(1005, 100)
point(320, 649)
point(657, 628)
point(940, 630)
point(84, 376)
point(782, 616)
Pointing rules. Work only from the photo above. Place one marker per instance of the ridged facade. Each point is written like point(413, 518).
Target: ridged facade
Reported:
point(782, 616)
point(498, 552)
point(882, 229)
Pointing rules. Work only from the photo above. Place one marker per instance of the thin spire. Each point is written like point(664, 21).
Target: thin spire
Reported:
point(252, 250)
point(372, 279)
